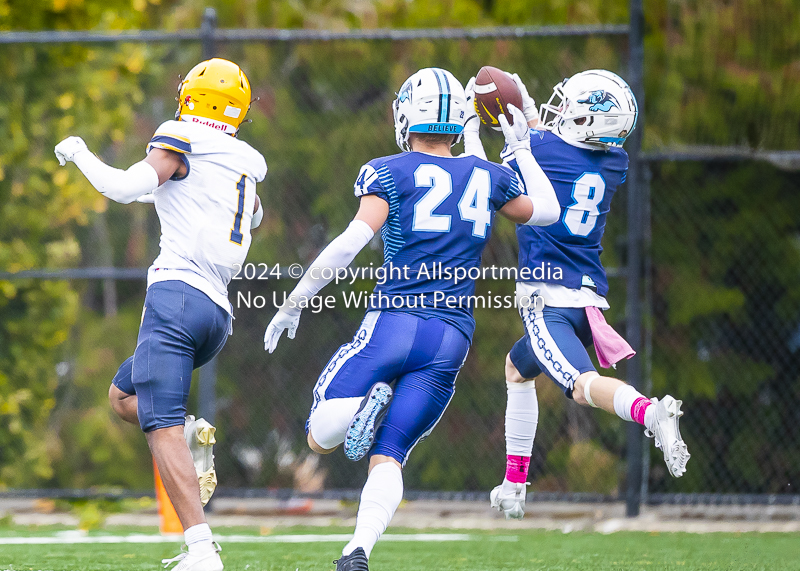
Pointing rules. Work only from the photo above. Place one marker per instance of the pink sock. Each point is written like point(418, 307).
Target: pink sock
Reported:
point(638, 409)
point(517, 468)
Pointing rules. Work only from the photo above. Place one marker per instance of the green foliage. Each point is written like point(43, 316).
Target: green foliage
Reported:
point(47, 94)
point(724, 252)
point(722, 73)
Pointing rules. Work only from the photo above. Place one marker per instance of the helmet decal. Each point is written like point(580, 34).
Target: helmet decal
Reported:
point(600, 100)
point(444, 89)
point(405, 92)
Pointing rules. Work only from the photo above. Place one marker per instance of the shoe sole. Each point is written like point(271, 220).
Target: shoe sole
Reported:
point(361, 434)
point(678, 456)
point(205, 437)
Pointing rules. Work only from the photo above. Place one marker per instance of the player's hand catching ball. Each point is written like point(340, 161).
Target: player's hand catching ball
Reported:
point(517, 137)
point(282, 321)
point(528, 104)
point(67, 149)
point(472, 125)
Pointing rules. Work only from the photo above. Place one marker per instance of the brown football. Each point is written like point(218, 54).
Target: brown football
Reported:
point(494, 90)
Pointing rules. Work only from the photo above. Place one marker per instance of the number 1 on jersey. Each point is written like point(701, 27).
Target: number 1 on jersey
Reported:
point(236, 232)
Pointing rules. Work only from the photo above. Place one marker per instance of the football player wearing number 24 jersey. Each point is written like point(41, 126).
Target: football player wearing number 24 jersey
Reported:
point(577, 140)
point(202, 180)
point(431, 208)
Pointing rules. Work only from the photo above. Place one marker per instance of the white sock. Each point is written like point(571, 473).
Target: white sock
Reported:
point(331, 419)
point(380, 497)
point(624, 397)
point(522, 417)
point(649, 417)
point(198, 539)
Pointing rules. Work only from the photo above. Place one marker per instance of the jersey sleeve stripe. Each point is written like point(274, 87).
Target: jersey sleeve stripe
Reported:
point(391, 233)
point(179, 137)
point(513, 189)
point(171, 143)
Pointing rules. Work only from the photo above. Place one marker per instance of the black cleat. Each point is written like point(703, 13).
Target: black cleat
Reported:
point(356, 561)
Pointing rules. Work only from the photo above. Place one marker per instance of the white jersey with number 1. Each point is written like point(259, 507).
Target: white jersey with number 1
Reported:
point(205, 216)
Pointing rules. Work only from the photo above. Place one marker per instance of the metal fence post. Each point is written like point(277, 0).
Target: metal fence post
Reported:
point(633, 309)
point(208, 32)
point(207, 393)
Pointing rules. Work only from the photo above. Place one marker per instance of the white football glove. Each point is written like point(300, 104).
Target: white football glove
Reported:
point(282, 321)
point(66, 149)
point(147, 198)
point(473, 122)
point(517, 136)
point(528, 104)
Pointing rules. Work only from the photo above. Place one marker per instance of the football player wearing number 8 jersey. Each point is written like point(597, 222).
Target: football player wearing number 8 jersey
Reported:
point(202, 180)
point(384, 391)
point(577, 140)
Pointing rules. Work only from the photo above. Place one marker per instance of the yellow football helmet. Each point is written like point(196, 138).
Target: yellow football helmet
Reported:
point(216, 93)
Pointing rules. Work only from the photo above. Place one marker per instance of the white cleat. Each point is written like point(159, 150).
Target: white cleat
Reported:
point(189, 562)
point(509, 498)
point(199, 436)
point(668, 436)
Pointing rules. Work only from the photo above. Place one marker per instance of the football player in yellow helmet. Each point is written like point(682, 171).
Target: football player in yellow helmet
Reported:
point(202, 180)
point(215, 93)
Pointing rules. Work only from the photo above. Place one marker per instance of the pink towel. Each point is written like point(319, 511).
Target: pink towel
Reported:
point(609, 345)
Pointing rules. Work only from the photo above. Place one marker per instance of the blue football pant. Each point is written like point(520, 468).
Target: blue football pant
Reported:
point(420, 357)
point(182, 330)
point(555, 343)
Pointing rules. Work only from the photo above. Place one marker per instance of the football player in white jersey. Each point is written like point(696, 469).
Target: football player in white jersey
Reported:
point(202, 180)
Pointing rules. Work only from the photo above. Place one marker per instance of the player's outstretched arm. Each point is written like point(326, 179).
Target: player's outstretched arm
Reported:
point(528, 104)
point(123, 186)
point(472, 135)
point(340, 253)
point(545, 206)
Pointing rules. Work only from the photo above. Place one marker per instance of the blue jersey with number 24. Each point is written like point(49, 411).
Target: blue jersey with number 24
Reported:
point(585, 181)
point(441, 211)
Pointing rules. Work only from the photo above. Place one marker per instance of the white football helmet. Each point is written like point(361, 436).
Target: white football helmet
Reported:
point(595, 107)
point(430, 101)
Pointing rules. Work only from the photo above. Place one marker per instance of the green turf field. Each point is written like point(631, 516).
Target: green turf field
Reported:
point(507, 550)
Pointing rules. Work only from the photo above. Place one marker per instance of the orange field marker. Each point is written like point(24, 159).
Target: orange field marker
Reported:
point(169, 524)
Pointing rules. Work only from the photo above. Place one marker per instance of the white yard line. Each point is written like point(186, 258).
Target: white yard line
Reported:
point(78, 537)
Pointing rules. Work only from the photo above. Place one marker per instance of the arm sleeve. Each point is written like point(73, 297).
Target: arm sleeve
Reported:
point(546, 208)
point(338, 254)
point(119, 185)
point(472, 139)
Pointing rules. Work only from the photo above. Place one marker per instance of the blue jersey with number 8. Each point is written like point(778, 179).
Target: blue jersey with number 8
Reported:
point(585, 181)
point(441, 211)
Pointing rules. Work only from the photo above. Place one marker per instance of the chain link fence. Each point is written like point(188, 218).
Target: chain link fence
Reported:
point(722, 329)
